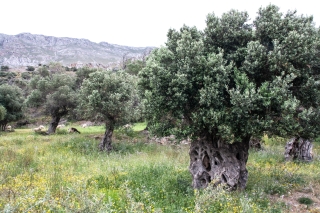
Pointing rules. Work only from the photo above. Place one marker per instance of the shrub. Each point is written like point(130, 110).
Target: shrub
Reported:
point(305, 200)
point(30, 68)
point(26, 75)
point(4, 68)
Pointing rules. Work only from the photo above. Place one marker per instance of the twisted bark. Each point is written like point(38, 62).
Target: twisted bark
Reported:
point(106, 142)
point(220, 162)
point(53, 124)
point(298, 149)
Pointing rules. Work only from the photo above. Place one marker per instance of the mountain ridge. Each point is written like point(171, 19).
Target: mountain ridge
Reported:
point(26, 49)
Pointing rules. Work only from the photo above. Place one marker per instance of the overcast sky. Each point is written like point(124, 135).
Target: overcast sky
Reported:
point(136, 23)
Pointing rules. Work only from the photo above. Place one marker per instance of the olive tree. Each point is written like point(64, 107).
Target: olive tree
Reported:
point(231, 82)
point(55, 95)
point(110, 97)
point(56, 67)
point(11, 104)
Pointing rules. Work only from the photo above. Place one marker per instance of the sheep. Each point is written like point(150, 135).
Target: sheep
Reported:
point(127, 126)
point(60, 126)
point(9, 128)
point(72, 130)
point(38, 129)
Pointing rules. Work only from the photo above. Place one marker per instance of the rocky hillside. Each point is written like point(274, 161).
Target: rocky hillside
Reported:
point(27, 49)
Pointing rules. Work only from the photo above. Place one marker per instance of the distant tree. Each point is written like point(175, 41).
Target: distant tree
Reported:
point(231, 82)
point(11, 98)
point(110, 97)
point(125, 60)
point(26, 75)
point(55, 94)
point(56, 67)
point(4, 68)
point(8, 75)
point(30, 68)
point(74, 69)
point(43, 71)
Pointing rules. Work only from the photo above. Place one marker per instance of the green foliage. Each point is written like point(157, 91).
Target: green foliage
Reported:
point(11, 98)
point(110, 96)
point(56, 67)
point(26, 75)
point(77, 145)
point(235, 80)
point(219, 200)
point(8, 75)
point(3, 112)
point(55, 93)
point(305, 200)
point(30, 68)
point(139, 126)
point(127, 131)
point(43, 71)
point(133, 67)
point(74, 69)
point(82, 74)
point(4, 68)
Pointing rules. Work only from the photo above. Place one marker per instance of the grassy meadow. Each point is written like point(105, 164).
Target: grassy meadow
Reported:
point(66, 173)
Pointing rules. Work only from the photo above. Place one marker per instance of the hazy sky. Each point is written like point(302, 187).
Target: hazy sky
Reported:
point(126, 22)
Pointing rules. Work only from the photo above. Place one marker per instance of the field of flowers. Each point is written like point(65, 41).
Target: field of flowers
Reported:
point(66, 173)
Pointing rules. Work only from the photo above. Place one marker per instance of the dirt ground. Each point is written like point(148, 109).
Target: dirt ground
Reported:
point(291, 200)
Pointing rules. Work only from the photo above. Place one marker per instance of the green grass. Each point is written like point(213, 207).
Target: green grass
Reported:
point(139, 126)
point(66, 173)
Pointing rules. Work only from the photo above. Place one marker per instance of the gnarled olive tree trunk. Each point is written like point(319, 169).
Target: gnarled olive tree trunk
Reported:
point(106, 142)
point(3, 125)
point(53, 124)
point(219, 161)
point(298, 149)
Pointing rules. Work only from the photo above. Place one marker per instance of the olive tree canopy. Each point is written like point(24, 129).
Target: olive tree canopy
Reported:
point(55, 94)
point(231, 82)
point(110, 97)
point(11, 104)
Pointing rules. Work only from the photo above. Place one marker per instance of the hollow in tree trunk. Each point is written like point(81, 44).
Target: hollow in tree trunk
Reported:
point(106, 142)
point(218, 161)
point(53, 124)
point(298, 149)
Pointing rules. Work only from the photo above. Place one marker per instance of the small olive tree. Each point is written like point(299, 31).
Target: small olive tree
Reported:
point(11, 102)
point(110, 97)
point(54, 94)
point(231, 82)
